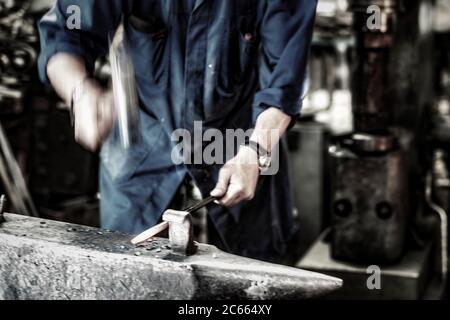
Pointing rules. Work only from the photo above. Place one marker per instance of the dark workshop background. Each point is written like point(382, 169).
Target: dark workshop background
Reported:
point(370, 156)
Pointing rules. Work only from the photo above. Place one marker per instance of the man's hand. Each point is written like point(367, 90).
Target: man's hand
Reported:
point(238, 178)
point(93, 107)
point(93, 114)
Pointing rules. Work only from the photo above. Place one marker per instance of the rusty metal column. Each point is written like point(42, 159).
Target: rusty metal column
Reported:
point(373, 44)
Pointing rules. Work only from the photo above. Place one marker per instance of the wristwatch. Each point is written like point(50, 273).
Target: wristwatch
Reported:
point(264, 156)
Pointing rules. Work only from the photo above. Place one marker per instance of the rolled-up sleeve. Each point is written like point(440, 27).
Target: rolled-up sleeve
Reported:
point(88, 39)
point(286, 31)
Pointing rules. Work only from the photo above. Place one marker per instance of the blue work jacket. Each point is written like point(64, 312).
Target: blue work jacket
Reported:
point(222, 62)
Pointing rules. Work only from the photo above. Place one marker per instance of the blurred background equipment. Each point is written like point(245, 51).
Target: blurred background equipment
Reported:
point(385, 176)
point(13, 179)
point(48, 171)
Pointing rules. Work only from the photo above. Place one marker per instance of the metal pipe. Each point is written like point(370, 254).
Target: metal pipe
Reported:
point(13, 179)
point(443, 226)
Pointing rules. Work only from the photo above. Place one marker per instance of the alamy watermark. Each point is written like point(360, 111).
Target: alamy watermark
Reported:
point(374, 280)
point(73, 21)
point(374, 21)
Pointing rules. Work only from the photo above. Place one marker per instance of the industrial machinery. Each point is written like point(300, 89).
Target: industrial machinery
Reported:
point(371, 169)
point(376, 172)
point(382, 200)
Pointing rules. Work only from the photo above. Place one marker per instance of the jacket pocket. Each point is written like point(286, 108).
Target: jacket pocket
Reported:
point(237, 59)
point(248, 43)
point(248, 46)
point(147, 40)
point(238, 54)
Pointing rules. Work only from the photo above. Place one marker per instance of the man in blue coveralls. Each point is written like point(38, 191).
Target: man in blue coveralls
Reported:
point(231, 64)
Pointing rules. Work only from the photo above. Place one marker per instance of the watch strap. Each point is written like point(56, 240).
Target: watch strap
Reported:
point(261, 151)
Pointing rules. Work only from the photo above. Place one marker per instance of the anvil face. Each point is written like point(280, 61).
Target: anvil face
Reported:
point(43, 259)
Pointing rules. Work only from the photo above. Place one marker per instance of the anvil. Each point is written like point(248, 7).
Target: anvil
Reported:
point(42, 259)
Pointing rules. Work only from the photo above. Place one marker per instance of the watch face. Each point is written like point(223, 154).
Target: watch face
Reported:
point(265, 162)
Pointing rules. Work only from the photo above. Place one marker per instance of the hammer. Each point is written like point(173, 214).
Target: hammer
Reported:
point(180, 228)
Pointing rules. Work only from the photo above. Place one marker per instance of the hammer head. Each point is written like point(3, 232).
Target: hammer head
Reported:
point(180, 231)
